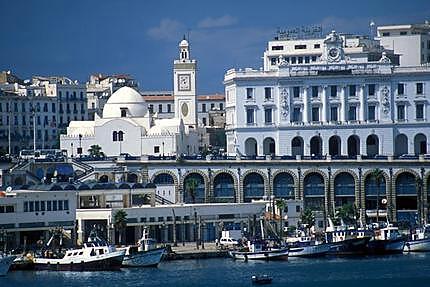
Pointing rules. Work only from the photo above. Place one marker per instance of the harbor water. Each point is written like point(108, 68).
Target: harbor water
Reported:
point(395, 270)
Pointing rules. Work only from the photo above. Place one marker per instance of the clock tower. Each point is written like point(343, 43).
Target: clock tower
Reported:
point(184, 86)
point(333, 48)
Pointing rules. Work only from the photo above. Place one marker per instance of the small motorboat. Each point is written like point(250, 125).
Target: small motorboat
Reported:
point(5, 263)
point(419, 240)
point(145, 254)
point(258, 250)
point(260, 280)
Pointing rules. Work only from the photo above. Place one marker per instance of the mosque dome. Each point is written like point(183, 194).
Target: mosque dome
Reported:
point(184, 43)
point(125, 98)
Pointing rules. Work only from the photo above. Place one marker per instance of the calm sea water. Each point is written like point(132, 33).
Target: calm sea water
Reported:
point(398, 270)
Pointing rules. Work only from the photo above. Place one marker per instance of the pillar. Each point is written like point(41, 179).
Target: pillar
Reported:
point(323, 117)
point(362, 98)
point(343, 104)
point(306, 104)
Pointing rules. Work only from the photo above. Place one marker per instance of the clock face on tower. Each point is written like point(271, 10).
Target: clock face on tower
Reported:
point(184, 82)
point(184, 109)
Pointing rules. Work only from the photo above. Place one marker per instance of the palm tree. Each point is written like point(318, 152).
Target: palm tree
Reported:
point(120, 223)
point(347, 212)
point(191, 185)
point(308, 218)
point(378, 176)
point(95, 151)
point(280, 204)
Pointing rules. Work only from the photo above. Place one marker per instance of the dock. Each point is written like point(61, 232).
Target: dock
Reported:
point(190, 251)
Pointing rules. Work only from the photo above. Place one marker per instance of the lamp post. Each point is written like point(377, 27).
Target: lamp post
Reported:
point(71, 145)
point(163, 148)
point(80, 145)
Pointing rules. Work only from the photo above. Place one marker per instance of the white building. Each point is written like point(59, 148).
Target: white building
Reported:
point(337, 105)
point(411, 41)
point(128, 126)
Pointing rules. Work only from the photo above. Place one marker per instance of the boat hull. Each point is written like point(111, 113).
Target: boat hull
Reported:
point(390, 246)
point(309, 251)
point(5, 263)
point(353, 246)
point(279, 254)
point(108, 262)
point(421, 245)
point(149, 258)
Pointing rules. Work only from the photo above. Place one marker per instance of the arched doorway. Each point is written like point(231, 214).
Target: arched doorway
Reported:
point(283, 186)
point(406, 198)
point(253, 187)
point(131, 177)
point(314, 192)
point(251, 147)
point(163, 179)
point(400, 145)
point(334, 146)
point(316, 146)
point(420, 144)
point(224, 188)
point(374, 196)
point(372, 145)
point(344, 189)
point(353, 146)
point(297, 146)
point(269, 146)
point(194, 188)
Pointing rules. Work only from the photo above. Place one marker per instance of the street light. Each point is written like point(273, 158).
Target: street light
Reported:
point(80, 145)
point(71, 144)
point(163, 148)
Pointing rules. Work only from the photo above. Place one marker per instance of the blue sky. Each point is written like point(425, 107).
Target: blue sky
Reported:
point(78, 38)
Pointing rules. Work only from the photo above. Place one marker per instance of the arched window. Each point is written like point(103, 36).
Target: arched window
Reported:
point(114, 136)
point(224, 188)
point(120, 136)
point(253, 187)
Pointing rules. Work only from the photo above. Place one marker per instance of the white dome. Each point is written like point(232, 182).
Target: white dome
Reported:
point(128, 98)
point(184, 43)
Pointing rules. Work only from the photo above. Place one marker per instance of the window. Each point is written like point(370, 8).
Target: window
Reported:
point(24, 121)
point(53, 107)
point(267, 93)
point(31, 206)
point(297, 208)
point(221, 106)
point(300, 47)
point(114, 136)
point(268, 116)
point(314, 91)
point(25, 206)
point(45, 107)
point(385, 33)
point(419, 88)
point(42, 206)
point(333, 114)
point(333, 91)
point(297, 115)
point(160, 108)
point(307, 59)
point(352, 113)
point(48, 205)
point(277, 48)
point(273, 61)
point(249, 93)
point(212, 106)
point(315, 114)
point(401, 112)
point(151, 109)
point(22, 107)
point(169, 108)
point(400, 89)
point(60, 205)
point(36, 206)
point(371, 113)
point(300, 60)
point(120, 136)
point(249, 116)
point(371, 89)
point(296, 92)
point(403, 33)
point(204, 121)
point(314, 58)
point(420, 111)
point(156, 149)
point(66, 205)
point(352, 90)
point(54, 205)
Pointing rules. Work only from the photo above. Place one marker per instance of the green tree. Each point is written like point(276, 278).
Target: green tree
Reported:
point(307, 218)
point(120, 223)
point(347, 212)
point(280, 204)
point(95, 151)
point(378, 176)
point(191, 185)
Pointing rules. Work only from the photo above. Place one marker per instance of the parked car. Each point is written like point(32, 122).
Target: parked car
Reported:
point(228, 241)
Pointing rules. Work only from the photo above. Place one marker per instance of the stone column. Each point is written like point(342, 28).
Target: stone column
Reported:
point(323, 117)
point(80, 232)
point(362, 97)
point(306, 104)
point(343, 105)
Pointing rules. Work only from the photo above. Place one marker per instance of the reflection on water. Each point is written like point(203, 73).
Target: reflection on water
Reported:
point(397, 270)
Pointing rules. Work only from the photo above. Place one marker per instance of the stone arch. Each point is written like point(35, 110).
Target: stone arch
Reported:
point(400, 144)
point(335, 145)
point(372, 145)
point(355, 181)
point(325, 180)
point(132, 177)
point(292, 174)
point(297, 146)
point(269, 146)
point(407, 197)
point(353, 146)
point(249, 171)
point(224, 197)
point(205, 181)
point(316, 146)
point(251, 147)
point(175, 181)
point(365, 202)
point(235, 180)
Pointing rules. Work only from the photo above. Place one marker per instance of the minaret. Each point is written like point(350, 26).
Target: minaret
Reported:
point(184, 86)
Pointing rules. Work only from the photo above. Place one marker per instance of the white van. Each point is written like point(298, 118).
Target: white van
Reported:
point(228, 241)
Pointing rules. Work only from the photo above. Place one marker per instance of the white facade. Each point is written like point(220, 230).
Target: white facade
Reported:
point(411, 41)
point(335, 106)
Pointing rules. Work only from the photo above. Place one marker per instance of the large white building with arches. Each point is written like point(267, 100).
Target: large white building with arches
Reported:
point(338, 106)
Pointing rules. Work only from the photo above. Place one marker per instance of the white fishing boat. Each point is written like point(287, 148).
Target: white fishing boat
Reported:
point(420, 240)
point(144, 254)
point(258, 250)
point(386, 240)
point(95, 255)
point(5, 263)
point(305, 246)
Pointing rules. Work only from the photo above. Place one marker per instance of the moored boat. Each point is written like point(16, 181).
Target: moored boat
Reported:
point(5, 263)
point(261, 280)
point(258, 250)
point(419, 241)
point(305, 246)
point(386, 240)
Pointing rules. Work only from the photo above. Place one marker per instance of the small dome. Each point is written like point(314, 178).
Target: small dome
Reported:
point(184, 43)
point(128, 98)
